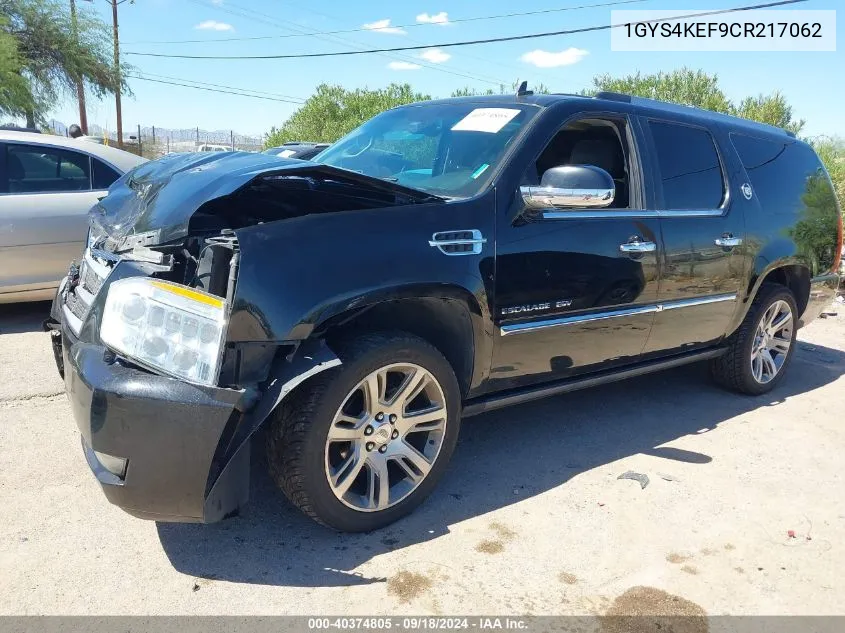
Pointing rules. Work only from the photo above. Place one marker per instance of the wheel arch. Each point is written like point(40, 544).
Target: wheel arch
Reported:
point(791, 272)
point(449, 317)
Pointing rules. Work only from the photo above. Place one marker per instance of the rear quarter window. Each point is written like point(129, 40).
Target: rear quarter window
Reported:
point(778, 170)
point(789, 180)
point(103, 175)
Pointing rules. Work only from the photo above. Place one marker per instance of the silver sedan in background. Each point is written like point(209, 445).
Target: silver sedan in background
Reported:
point(47, 185)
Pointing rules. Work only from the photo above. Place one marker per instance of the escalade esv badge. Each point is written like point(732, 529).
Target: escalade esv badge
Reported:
point(534, 307)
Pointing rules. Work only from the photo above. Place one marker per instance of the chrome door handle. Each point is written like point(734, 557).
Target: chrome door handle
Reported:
point(636, 246)
point(728, 241)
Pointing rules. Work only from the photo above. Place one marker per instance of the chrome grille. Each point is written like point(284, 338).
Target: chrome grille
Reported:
point(78, 298)
point(76, 306)
point(89, 279)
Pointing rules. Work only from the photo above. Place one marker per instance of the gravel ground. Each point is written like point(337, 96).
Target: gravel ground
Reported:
point(531, 518)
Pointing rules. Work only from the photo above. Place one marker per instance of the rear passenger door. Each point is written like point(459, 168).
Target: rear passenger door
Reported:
point(703, 229)
point(45, 195)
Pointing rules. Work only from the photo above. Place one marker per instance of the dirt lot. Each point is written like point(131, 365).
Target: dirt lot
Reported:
point(531, 518)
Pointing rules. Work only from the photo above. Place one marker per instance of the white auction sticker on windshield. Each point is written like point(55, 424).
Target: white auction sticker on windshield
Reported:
point(485, 120)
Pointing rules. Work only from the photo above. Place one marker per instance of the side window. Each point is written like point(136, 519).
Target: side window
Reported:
point(39, 169)
point(689, 166)
point(598, 142)
point(104, 175)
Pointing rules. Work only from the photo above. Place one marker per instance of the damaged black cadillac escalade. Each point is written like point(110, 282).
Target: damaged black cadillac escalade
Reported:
point(444, 259)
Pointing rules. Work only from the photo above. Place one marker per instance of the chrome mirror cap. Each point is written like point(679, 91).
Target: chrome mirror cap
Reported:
point(571, 186)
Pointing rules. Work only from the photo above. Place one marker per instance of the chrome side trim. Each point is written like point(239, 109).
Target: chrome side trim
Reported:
point(698, 301)
point(519, 328)
point(728, 242)
point(632, 213)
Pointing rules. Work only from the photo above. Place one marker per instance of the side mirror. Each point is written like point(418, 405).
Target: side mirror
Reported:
point(571, 186)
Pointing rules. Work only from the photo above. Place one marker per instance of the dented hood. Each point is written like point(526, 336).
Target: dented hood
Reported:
point(155, 201)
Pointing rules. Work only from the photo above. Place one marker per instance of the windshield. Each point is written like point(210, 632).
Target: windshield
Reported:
point(444, 149)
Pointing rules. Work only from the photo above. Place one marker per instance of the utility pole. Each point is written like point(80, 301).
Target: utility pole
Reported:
point(80, 86)
point(114, 4)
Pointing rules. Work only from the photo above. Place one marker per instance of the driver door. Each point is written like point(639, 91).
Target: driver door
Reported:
point(576, 288)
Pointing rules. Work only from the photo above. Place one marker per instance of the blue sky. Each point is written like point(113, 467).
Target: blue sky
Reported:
point(814, 83)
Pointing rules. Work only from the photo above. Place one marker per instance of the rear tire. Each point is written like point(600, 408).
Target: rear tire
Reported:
point(346, 448)
point(762, 347)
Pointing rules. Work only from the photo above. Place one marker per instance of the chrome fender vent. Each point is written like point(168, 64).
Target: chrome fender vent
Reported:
point(463, 242)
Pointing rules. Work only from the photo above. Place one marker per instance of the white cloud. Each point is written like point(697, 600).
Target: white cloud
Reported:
point(383, 26)
point(214, 25)
point(548, 59)
point(435, 56)
point(217, 3)
point(403, 66)
point(441, 18)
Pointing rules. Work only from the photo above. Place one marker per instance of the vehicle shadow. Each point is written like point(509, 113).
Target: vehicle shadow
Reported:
point(18, 318)
point(502, 458)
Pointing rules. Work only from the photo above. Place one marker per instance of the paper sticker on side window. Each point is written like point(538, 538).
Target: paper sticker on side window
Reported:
point(485, 120)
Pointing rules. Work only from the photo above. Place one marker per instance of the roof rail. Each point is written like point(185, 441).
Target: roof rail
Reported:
point(613, 96)
point(685, 107)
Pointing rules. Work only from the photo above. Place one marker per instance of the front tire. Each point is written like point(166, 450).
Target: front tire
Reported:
point(762, 348)
point(360, 446)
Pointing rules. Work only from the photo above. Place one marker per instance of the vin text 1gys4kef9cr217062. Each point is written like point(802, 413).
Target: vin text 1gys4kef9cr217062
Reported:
point(444, 259)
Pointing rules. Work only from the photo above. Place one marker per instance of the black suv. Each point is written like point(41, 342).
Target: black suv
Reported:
point(444, 259)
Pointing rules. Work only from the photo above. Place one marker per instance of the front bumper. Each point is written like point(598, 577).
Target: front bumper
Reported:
point(173, 435)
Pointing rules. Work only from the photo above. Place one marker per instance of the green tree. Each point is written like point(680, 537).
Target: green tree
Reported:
point(832, 153)
point(700, 89)
point(50, 55)
point(772, 109)
point(686, 86)
point(466, 91)
point(333, 111)
point(15, 96)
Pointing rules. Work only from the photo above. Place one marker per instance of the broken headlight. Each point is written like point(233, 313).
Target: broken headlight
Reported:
point(166, 327)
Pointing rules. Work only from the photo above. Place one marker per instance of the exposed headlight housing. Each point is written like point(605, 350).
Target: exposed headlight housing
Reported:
point(166, 327)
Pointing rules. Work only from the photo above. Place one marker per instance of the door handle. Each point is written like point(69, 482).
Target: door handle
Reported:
point(728, 241)
point(636, 245)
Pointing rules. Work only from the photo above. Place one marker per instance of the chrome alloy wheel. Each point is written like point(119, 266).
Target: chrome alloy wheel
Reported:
point(385, 437)
point(771, 342)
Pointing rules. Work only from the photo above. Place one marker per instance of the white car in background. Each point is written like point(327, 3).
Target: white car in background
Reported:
point(213, 148)
point(47, 185)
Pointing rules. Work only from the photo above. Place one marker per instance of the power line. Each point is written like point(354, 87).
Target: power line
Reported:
point(458, 72)
point(206, 83)
point(398, 26)
point(491, 40)
point(218, 90)
point(264, 18)
point(464, 54)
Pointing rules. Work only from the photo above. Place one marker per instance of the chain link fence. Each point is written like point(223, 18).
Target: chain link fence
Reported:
point(154, 142)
